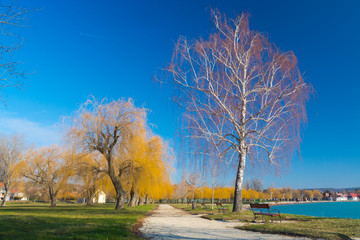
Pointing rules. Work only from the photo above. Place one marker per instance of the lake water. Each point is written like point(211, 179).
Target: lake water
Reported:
point(327, 209)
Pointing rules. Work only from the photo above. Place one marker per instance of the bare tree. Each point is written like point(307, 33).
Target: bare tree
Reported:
point(106, 128)
point(11, 148)
point(240, 79)
point(247, 185)
point(11, 17)
point(257, 184)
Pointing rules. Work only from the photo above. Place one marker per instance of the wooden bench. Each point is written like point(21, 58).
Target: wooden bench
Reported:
point(264, 210)
point(220, 208)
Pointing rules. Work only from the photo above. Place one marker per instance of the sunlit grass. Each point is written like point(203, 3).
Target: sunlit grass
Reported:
point(68, 221)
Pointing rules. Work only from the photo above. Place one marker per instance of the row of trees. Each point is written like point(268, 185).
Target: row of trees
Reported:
point(220, 194)
point(107, 145)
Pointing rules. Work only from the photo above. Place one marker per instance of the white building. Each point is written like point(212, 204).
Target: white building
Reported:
point(13, 194)
point(340, 197)
point(100, 197)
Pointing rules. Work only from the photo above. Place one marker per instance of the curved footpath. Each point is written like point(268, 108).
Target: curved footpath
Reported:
point(168, 222)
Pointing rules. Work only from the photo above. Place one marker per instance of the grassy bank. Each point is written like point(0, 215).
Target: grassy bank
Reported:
point(312, 227)
point(292, 225)
point(68, 221)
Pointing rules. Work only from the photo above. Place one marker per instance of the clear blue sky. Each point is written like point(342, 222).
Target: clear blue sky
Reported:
point(113, 49)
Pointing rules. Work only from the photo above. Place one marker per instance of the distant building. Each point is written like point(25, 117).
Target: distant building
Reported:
point(13, 194)
point(340, 197)
point(100, 197)
point(353, 197)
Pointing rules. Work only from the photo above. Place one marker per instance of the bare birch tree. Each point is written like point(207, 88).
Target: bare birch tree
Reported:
point(11, 148)
point(239, 78)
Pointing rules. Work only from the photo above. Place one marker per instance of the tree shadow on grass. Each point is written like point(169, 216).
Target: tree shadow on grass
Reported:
point(43, 227)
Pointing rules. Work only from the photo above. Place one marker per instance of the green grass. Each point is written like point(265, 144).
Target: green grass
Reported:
point(201, 209)
point(312, 227)
point(294, 225)
point(69, 221)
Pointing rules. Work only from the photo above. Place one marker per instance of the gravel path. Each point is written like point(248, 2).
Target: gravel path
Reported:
point(168, 222)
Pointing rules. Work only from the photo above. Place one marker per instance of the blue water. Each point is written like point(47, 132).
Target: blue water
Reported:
point(328, 209)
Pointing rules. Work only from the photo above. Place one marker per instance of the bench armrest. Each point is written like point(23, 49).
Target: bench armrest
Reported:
point(272, 210)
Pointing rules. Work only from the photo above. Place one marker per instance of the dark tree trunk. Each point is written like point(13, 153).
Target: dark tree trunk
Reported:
point(90, 196)
point(89, 200)
point(52, 197)
point(120, 193)
point(115, 179)
point(120, 199)
point(134, 197)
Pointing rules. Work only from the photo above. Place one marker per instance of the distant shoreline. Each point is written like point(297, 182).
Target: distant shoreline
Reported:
point(304, 202)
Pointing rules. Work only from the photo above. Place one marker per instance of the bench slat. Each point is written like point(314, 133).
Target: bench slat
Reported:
point(257, 205)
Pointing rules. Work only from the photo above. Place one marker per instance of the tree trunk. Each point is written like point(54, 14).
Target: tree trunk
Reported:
point(90, 196)
point(120, 193)
point(237, 207)
point(212, 192)
point(89, 200)
point(5, 195)
point(147, 199)
point(52, 197)
point(120, 199)
point(134, 197)
point(212, 198)
point(141, 201)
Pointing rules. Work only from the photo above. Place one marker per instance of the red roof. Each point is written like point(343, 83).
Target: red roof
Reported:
point(14, 190)
point(353, 195)
point(2, 184)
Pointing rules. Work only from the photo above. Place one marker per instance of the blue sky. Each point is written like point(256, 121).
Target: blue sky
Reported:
point(112, 49)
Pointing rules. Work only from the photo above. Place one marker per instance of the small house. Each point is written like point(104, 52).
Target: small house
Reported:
point(353, 197)
point(340, 197)
point(100, 197)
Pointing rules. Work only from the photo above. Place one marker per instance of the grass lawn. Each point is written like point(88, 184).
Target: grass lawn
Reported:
point(69, 221)
point(296, 225)
point(201, 209)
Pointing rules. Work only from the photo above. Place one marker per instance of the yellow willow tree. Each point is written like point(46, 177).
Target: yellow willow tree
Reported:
point(106, 127)
point(149, 168)
point(50, 167)
point(239, 78)
point(156, 182)
point(11, 148)
point(137, 151)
